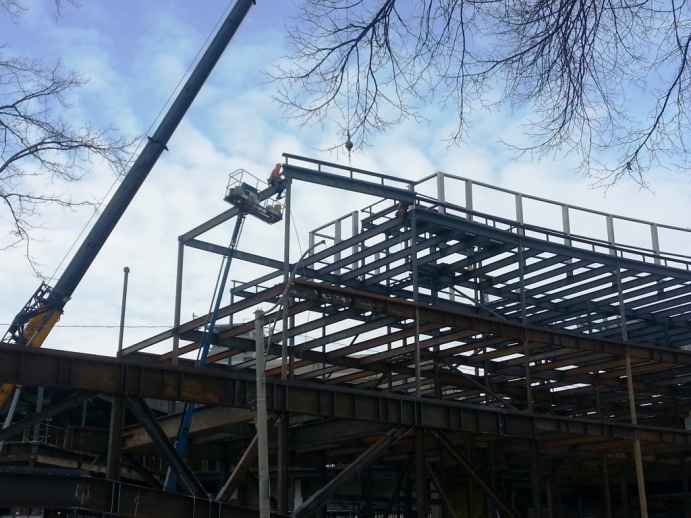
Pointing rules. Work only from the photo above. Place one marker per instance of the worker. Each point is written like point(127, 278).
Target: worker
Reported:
point(402, 210)
point(275, 179)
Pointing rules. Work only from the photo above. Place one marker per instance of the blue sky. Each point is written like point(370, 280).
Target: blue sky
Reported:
point(135, 53)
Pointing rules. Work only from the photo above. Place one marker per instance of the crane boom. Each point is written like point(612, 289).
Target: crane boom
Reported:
point(32, 325)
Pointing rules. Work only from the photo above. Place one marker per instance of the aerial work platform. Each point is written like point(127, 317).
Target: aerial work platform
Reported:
point(245, 197)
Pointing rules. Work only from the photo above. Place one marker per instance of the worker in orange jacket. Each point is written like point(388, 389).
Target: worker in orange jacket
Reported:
point(275, 179)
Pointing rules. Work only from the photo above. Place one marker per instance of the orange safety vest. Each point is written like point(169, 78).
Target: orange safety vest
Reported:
point(276, 173)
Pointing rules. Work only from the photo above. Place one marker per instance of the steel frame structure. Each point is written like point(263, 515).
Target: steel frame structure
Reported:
point(467, 363)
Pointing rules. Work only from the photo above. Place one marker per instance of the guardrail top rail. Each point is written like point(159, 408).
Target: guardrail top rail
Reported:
point(678, 236)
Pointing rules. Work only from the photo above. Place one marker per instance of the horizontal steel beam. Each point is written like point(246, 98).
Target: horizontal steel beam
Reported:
point(349, 184)
point(111, 498)
point(59, 369)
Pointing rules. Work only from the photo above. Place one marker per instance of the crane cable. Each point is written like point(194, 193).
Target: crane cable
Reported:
point(348, 144)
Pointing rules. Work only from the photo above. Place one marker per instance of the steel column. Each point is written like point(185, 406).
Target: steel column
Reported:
point(420, 478)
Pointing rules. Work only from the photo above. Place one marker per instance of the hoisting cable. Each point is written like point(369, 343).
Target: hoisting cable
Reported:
point(349, 143)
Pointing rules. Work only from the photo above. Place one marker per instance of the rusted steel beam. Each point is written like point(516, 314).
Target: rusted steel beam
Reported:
point(109, 497)
point(381, 304)
point(60, 369)
point(200, 321)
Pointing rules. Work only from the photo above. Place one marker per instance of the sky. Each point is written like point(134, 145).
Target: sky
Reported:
point(135, 53)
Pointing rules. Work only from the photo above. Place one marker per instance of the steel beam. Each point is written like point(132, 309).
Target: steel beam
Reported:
point(322, 496)
point(349, 184)
point(146, 417)
point(53, 410)
point(139, 468)
point(109, 497)
point(475, 475)
point(242, 467)
point(59, 369)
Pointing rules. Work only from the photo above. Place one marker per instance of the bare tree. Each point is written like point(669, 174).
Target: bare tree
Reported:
point(40, 150)
point(608, 79)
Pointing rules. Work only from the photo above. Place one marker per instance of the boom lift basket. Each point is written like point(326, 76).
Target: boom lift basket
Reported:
point(246, 197)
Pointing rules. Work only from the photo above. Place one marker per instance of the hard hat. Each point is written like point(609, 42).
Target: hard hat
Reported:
point(278, 164)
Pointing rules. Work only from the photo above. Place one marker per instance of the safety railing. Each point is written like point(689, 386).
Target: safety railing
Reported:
point(615, 230)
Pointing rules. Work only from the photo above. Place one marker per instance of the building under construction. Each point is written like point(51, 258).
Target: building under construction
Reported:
point(422, 358)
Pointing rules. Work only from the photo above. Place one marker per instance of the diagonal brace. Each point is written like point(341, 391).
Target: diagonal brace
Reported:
point(475, 474)
point(53, 410)
point(242, 467)
point(320, 498)
point(146, 417)
point(440, 490)
point(397, 489)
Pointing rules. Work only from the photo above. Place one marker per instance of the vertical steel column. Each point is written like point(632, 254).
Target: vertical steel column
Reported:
point(416, 297)
point(524, 321)
point(178, 300)
point(262, 433)
point(283, 482)
point(123, 307)
point(355, 229)
point(420, 476)
point(337, 239)
point(39, 407)
point(117, 414)
point(636, 442)
point(656, 242)
point(519, 211)
point(605, 488)
point(535, 481)
point(622, 311)
point(566, 224)
point(685, 487)
point(610, 234)
point(469, 198)
point(625, 510)
point(441, 191)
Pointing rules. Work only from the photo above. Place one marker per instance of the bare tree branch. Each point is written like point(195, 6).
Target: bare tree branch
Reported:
point(607, 79)
point(38, 145)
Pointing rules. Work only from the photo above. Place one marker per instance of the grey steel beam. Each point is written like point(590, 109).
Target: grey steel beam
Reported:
point(502, 236)
point(349, 184)
point(53, 410)
point(146, 417)
point(322, 496)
